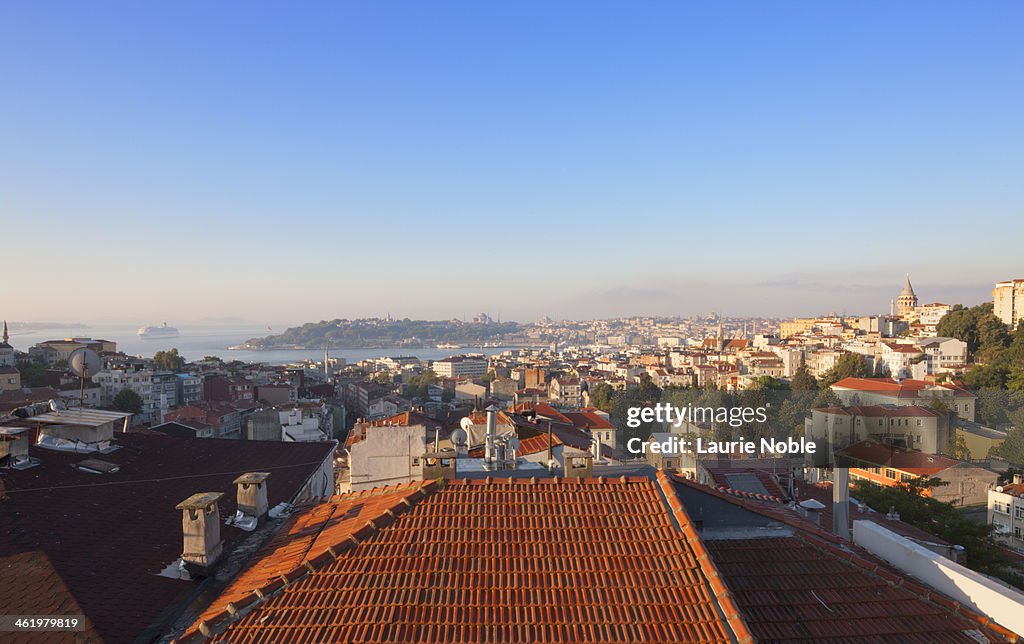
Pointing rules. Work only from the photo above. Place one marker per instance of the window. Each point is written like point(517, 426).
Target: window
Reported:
point(1018, 512)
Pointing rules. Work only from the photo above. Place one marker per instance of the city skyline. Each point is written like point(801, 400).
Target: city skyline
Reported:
point(579, 161)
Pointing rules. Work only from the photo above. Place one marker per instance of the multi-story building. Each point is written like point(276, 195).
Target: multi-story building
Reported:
point(1008, 301)
point(1006, 513)
point(565, 390)
point(165, 392)
point(886, 391)
point(458, 366)
point(190, 388)
point(919, 428)
point(114, 381)
point(229, 389)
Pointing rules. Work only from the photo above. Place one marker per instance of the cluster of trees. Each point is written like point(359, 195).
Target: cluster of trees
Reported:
point(418, 386)
point(169, 360)
point(998, 355)
point(943, 520)
point(998, 374)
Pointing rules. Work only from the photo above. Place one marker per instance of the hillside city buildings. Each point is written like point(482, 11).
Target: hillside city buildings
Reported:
point(499, 498)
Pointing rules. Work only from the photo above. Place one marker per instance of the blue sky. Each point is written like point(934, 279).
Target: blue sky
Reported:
point(282, 162)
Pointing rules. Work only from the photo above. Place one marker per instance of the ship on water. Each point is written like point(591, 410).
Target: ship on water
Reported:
point(161, 332)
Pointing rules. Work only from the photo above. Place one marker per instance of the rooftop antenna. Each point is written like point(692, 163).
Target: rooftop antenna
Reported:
point(84, 363)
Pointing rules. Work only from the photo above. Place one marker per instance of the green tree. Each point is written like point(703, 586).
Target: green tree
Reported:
point(1012, 448)
point(602, 396)
point(169, 360)
point(128, 401)
point(418, 386)
point(803, 380)
point(849, 365)
point(33, 374)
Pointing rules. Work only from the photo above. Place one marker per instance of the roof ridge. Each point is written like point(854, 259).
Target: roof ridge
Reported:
point(722, 594)
point(216, 623)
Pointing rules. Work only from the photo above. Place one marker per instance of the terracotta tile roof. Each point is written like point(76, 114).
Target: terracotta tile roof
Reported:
point(897, 458)
point(510, 560)
point(543, 410)
point(909, 388)
point(588, 419)
point(781, 583)
point(100, 540)
point(309, 535)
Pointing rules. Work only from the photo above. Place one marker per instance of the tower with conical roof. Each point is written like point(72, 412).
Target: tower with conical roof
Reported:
point(907, 301)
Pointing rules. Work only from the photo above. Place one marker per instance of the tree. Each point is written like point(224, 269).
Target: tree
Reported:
point(419, 386)
point(1012, 448)
point(128, 401)
point(849, 365)
point(169, 360)
point(803, 380)
point(602, 396)
point(33, 374)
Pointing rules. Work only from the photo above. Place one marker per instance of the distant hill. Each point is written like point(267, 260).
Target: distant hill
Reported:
point(377, 333)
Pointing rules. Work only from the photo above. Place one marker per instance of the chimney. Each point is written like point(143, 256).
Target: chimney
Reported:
point(200, 522)
point(492, 430)
point(252, 495)
point(841, 502)
point(1018, 479)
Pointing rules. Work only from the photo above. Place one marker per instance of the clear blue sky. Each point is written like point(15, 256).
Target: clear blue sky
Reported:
point(291, 161)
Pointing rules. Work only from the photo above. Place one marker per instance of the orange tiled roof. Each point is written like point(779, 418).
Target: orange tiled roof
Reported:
point(510, 560)
point(310, 534)
point(909, 388)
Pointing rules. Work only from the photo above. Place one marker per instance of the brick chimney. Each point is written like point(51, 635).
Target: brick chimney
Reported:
point(252, 495)
point(200, 523)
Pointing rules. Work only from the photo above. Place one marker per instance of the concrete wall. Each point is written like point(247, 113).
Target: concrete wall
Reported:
point(970, 588)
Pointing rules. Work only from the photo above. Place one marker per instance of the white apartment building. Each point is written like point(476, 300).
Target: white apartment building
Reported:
point(930, 314)
point(1006, 513)
point(458, 366)
point(1008, 301)
point(113, 381)
point(944, 354)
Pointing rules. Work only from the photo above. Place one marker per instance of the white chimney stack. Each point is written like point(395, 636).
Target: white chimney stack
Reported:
point(492, 430)
point(200, 523)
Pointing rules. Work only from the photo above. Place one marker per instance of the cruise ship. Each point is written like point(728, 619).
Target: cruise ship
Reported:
point(158, 332)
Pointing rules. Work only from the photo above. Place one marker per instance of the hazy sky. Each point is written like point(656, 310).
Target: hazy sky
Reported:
point(291, 161)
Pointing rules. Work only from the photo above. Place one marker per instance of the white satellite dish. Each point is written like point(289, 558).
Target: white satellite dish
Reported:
point(466, 423)
point(458, 437)
point(84, 363)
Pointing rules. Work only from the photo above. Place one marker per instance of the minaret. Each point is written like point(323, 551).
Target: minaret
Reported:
point(6, 335)
point(327, 362)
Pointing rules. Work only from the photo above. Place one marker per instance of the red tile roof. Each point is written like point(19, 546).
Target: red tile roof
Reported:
point(884, 411)
point(511, 560)
point(897, 458)
point(98, 541)
point(588, 419)
point(309, 536)
point(909, 388)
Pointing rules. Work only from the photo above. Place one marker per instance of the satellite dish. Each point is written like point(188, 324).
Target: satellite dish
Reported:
point(458, 437)
point(466, 423)
point(84, 362)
